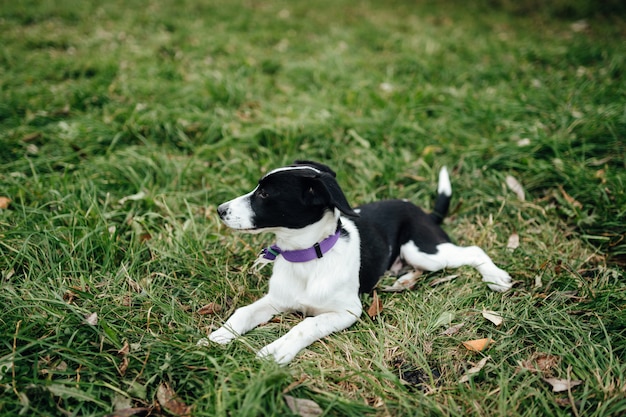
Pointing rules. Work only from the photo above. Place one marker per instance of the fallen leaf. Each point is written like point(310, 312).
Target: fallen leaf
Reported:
point(32, 149)
point(4, 202)
point(376, 307)
point(303, 407)
point(513, 242)
point(167, 399)
point(121, 401)
point(474, 369)
point(209, 309)
point(405, 282)
point(546, 362)
point(124, 350)
point(92, 319)
point(560, 385)
point(478, 345)
point(516, 187)
point(540, 362)
point(123, 365)
point(493, 317)
point(134, 286)
point(444, 319)
point(442, 280)
point(452, 330)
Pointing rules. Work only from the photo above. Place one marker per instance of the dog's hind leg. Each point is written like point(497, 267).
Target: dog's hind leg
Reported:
point(243, 319)
point(452, 256)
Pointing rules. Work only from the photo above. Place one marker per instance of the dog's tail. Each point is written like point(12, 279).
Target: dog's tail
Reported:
point(442, 203)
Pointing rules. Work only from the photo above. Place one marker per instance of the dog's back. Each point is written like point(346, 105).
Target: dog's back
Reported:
point(384, 226)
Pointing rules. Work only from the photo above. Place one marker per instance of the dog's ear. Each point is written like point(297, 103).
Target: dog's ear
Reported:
point(323, 190)
point(316, 165)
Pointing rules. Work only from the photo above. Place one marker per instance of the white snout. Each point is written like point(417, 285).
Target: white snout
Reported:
point(237, 213)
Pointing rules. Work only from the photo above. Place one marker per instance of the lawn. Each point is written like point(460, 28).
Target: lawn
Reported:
point(123, 124)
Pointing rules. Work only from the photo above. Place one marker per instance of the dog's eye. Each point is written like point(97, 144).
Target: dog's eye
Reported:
point(263, 194)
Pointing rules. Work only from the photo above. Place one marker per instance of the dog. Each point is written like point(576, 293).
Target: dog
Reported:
point(327, 253)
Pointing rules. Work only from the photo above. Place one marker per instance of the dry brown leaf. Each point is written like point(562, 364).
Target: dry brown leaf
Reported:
point(134, 286)
point(209, 309)
point(478, 345)
point(4, 202)
point(546, 362)
point(303, 407)
point(124, 350)
point(376, 307)
point(167, 399)
point(560, 385)
point(540, 362)
point(452, 330)
point(123, 365)
point(516, 187)
point(493, 317)
point(474, 369)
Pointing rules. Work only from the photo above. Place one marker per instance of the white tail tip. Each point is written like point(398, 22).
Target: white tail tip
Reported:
point(444, 186)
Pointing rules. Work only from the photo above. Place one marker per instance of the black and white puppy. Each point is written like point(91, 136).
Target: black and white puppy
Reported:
point(326, 253)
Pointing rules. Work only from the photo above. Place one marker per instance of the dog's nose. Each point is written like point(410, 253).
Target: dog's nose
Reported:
point(222, 210)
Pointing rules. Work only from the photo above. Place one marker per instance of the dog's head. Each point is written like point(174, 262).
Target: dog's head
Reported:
point(291, 197)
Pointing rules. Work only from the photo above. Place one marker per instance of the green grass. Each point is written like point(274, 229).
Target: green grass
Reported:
point(124, 124)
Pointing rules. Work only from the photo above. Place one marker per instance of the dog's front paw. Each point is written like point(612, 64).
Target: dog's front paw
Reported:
point(221, 336)
point(498, 280)
point(279, 351)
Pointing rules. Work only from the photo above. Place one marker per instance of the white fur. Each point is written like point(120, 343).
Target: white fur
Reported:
point(444, 186)
point(239, 215)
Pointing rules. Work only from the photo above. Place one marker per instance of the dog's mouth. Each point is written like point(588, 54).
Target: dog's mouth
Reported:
point(253, 230)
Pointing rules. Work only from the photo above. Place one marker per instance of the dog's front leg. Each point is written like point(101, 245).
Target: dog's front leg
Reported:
point(306, 332)
point(243, 319)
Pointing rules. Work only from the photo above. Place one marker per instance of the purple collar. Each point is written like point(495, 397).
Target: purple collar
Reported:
point(303, 255)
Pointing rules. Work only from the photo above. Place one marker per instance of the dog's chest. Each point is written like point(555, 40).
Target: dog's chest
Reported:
point(314, 287)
